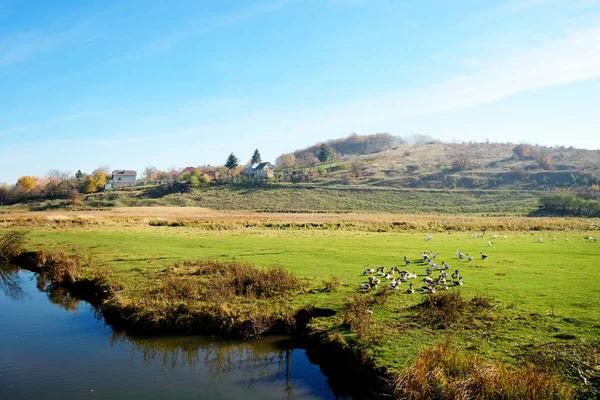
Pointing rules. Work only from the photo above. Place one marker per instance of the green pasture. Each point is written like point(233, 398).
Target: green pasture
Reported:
point(540, 292)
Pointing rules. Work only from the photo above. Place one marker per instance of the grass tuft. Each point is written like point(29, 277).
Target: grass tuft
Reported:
point(443, 372)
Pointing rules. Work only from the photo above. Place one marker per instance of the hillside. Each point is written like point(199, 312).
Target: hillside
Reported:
point(448, 166)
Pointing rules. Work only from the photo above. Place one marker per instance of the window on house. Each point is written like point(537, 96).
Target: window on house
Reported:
point(119, 178)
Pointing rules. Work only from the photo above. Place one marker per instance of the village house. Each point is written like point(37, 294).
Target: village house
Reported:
point(123, 178)
point(263, 170)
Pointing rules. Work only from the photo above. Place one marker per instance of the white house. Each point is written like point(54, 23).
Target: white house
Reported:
point(123, 178)
point(259, 171)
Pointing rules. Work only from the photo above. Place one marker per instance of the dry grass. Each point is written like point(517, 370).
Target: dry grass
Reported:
point(59, 267)
point(443, 372)
point(442, 310)
point(11, 245)
point(358, 317)
point(222, 220)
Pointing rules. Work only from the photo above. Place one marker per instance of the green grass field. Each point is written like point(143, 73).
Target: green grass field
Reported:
point(299, 198)
point(540, 291)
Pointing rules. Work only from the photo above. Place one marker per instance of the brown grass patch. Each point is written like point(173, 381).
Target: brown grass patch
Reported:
point(443, 372)
point(11, 245)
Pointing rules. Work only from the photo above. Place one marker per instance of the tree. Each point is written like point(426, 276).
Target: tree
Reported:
point(287, 160)
point(256, 157)
point(232, 162)
point(150, 173)
point(99, 177)
point(325, 153)
point(27, 182)
point(79, 175)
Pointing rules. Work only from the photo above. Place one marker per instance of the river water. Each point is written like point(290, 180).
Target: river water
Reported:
point(54, 346)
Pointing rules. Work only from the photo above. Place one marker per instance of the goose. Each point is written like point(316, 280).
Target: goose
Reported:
point(410, 290)
point(428, 271)
point(455, 275)
point(394, 287)
point(593, 239)
point(445, 266)
point(474, 236)
point(489, 243)
point(424, 256)
point(459, 282)
point(554, 239)
point(433, 255)
point(481, 234)
point(566, 239)
point(441, 281)
point(406, 262)
point(442, 287)
point(428, 280)
point(389, 276)
point(365, 286)
point(374, 281)
point(469, 258)
point(369, 271)
point(428, 237)
point(505, 236)
point(540, 239)
point(483, 256)
point(495, 237)
point(381, 270)
point(444, 274)
point(408, 275)
point(428, 289)
point(369, 312)
point(461, 256)
point(457, 253)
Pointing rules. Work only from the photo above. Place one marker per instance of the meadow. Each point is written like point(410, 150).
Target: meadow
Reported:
point(527, 295)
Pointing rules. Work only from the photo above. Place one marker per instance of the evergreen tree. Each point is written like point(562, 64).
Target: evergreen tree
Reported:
point(232, 161)
point(256, 157)
point(79, 175)
point(326, 153)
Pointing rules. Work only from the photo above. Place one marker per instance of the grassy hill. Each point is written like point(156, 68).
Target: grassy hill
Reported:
point(443, 178)
point(474, 165)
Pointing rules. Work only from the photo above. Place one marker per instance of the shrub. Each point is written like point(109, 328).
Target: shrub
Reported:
point(11, 245)
point(333, 283)
point(358, 316)
point(60, 267)
point(442, 309)
point(443, 372)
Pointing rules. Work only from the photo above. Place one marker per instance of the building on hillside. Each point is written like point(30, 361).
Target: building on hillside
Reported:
point(263, 170)
point(123, 178)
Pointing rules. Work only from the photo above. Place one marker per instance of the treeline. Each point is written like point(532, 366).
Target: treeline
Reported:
point(578, 204)
point(352, 145)
point(55, 185)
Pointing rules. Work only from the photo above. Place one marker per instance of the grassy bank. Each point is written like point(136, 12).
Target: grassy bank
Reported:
point(307, 198)
point(526, 295)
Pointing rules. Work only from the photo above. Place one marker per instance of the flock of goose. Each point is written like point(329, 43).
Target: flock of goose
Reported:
point(395, 276)
point(430, 283)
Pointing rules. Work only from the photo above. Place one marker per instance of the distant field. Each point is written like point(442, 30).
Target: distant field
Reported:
point(307, 198)
point(540, 292)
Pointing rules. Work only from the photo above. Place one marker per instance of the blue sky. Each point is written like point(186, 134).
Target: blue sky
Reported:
point(130, 84)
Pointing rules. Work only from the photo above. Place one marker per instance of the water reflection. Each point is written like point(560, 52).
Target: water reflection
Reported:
point(265, 360)
point(42, 350)
point(10, 283)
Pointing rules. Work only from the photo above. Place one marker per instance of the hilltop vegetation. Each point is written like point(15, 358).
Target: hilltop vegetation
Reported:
point(377, 172)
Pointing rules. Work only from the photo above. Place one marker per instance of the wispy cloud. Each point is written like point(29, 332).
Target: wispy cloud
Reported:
point(202, 26)
point(42, 124)
point(22, 46)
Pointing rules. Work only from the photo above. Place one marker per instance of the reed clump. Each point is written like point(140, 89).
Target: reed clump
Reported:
point(11, 245)
point(444, 372)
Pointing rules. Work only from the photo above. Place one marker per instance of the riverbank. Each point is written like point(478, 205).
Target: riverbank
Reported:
point(502, 314)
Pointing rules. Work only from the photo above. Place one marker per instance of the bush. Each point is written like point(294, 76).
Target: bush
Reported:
point(11, 245)
point(358, 317)
point(333, 284)
point(442, 310)
point(443, 372)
